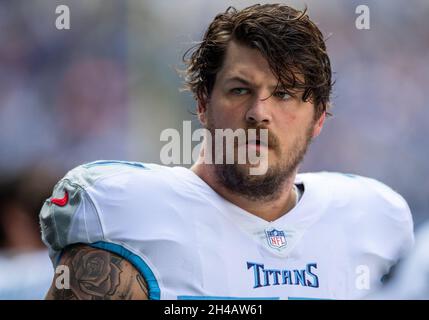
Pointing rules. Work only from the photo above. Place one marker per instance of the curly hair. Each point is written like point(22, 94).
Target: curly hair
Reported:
point(291, 43)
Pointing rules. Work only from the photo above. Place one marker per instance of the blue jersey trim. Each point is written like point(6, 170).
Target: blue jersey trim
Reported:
point(141, 266)
point(115, 162)
point(224, 298)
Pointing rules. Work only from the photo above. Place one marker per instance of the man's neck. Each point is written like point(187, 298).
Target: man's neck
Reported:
point(267, 210)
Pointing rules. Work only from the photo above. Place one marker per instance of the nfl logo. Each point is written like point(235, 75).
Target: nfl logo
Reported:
point(276, 238)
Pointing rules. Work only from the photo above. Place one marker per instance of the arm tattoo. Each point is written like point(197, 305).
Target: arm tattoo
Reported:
point(97, 274)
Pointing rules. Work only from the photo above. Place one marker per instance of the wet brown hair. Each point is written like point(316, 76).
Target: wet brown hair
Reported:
point(291, 43)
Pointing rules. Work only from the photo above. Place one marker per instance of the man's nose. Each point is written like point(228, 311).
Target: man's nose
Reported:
point(259, 111)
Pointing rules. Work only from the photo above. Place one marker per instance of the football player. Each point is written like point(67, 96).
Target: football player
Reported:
point(128, 230)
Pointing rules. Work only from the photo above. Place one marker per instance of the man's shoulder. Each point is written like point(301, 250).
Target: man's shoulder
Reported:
point(111, 185)
point(376, 217)
point(99, 200)
point(358, 190)
point(108, 171)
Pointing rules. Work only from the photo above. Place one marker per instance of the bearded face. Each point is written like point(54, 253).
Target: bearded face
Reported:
point(247, 96)
point(237, 176)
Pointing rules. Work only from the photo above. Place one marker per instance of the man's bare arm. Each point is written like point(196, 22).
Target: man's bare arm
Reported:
point(97, 274)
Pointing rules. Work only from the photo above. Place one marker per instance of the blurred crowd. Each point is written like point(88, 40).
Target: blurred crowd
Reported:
point(63, 101)
point(25, 268)
point(106, 88)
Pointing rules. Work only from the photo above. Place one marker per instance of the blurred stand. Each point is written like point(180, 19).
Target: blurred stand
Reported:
point(25, 268)
point(63, 94)
point(63, 102)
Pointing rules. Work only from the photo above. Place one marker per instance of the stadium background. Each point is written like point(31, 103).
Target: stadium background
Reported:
point(106, 88)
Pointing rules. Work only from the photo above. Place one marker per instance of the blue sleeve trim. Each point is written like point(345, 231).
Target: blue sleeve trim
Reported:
point(136, 261)
point(115, 162)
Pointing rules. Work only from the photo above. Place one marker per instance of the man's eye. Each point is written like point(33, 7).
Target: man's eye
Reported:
point(283, 95)
point(239, 91)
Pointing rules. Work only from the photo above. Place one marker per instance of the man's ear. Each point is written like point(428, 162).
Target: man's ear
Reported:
point(319, 125)
point(201, 111)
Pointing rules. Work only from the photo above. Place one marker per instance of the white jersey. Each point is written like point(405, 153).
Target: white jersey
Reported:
point(190, 243)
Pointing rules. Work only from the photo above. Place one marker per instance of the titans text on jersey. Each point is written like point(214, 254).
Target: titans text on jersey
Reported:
point(274, 277)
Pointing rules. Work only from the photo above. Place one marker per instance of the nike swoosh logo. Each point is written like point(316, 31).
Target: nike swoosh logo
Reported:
point(61, 201)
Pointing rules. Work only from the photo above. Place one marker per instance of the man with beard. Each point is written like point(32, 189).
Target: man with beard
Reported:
point(129, 230)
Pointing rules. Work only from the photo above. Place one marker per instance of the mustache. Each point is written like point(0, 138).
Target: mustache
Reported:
point(273, 141)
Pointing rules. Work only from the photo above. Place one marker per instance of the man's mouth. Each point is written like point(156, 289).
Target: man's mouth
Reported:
point(256, 143)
